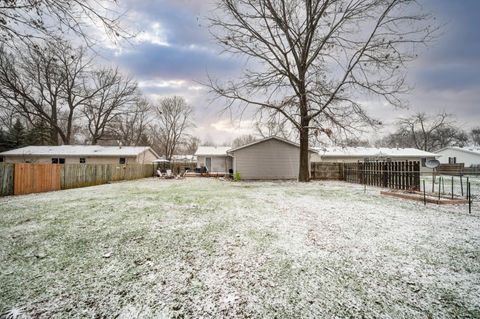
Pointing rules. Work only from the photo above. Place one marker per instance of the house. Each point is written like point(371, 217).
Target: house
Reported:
point(356, 154)
point(271, 158)
point(469, 156)
point(214, 158)
point(80, 154)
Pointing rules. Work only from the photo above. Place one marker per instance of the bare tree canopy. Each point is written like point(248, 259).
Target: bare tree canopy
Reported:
point(27, 20)
point(173, 118)
point(475, 136)
point(243, 140)
point(58, 86)
point(426, 132)
point(314, 59)
point(116, 96)
point(133, 127)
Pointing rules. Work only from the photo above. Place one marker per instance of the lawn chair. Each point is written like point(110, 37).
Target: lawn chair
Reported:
point(159, 173)
point(169, 174)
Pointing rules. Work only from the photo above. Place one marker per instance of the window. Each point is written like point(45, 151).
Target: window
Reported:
point(122, 160)
point(1, 159)
point(452, 160)
point(82, 160)
point(57, 160)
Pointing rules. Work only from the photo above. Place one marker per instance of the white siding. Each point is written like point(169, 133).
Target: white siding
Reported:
point(468, 159)
point(220, 164)
point(271, 159)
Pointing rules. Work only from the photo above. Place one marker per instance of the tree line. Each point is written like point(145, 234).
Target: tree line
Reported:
point(58, 94)
point(53, 92)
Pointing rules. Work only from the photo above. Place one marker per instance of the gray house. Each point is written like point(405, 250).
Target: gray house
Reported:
point(272, 158)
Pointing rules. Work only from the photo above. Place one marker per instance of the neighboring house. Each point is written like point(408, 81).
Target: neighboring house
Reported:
point(80, 154)
point(356, 154)
point(214, 158)
point(269, 158)
point(469, 156)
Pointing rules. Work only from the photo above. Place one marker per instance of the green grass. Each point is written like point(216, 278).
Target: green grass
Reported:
point(211, 248)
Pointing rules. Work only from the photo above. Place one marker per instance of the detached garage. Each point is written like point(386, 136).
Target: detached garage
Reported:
point(270, 158)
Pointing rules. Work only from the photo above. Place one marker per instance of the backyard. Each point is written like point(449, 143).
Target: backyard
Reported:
point(212, 248)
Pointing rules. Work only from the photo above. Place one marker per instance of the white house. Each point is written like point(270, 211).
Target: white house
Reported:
point(355, 154)
point(270, 158)
point(80, 154)
point(470, 156)
point(214, 158)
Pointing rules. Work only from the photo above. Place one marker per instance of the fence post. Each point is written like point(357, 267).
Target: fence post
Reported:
point(424, 195)
point(452, 187)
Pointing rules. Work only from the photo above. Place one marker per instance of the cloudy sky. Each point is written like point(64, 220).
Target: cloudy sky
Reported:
point(174, 52)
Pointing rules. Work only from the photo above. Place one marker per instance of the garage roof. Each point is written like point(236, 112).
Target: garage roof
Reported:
point(267, 139)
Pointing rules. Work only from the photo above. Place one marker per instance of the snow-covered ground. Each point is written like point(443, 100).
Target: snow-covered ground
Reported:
point(211, 248)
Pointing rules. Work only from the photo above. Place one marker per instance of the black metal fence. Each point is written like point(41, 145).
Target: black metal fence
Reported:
point(394, 175)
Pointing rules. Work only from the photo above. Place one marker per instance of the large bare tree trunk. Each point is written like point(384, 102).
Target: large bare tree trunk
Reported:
point(304, 172)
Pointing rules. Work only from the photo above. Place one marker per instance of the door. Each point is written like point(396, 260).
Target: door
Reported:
point(208, 163)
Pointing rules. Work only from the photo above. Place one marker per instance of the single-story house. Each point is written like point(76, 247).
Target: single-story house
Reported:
point(470, 156)
point(270, 158)
point(80, 154)
point(356, 154)
point(214, 158)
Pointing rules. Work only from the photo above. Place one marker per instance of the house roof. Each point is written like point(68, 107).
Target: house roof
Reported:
point(212, 150)
point(372, 152)
point(79, 150)
point(267, 139)
point(468, 149)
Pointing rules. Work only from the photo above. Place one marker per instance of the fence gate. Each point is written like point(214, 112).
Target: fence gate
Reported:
point(36, 178)
point(396, 175)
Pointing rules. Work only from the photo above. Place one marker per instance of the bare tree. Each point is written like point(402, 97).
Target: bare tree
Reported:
point(243, 140)
point(47, 83)
point(133, 127)
point(191, 145)
point(475, 136)
point(173, 118)
point(429, 132)
point(27, 20)
point(314, 59)
point(117, 95)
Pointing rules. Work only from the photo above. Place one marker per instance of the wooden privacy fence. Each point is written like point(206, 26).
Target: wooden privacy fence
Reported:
point(20, 178)
point(395, 175)
point(6, 179)
point(36, 178)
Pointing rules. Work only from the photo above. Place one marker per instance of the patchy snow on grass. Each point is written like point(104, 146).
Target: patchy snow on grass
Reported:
point(209, 248)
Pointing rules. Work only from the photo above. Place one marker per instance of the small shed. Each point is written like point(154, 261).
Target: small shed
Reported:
point(272, 158)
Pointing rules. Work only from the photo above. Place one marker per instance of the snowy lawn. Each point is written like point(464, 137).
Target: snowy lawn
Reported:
point(210, 248)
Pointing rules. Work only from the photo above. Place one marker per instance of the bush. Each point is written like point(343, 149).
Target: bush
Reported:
point(236, 176)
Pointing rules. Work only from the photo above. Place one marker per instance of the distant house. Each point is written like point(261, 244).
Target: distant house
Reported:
point(80, 154)
point(271, 158)
point(355, 154)
point(469, 156)
point(214, 158)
